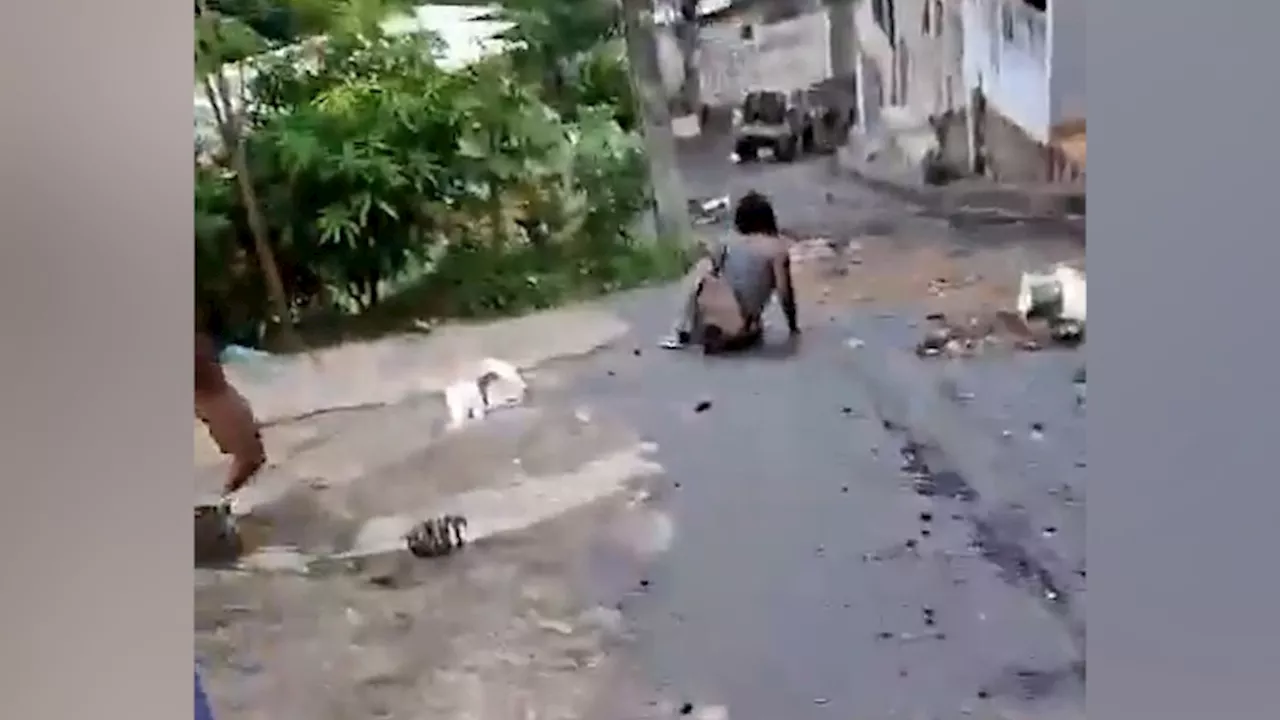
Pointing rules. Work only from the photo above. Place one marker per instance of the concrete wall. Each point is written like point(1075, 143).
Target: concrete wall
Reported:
point(1013, 73)
point(921, 67)
point(1012, 155)
point(788, 55)
point(876, 64)
point(1067, 43)
point(930, 36)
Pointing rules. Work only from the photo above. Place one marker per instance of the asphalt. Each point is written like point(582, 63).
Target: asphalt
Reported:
point(818, 571)
point(859, 532)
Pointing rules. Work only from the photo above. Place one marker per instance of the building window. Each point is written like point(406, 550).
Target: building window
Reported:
point(748, 32)
point(938, 18)
point(884, 13)
point(1041, 5)
point(925, 24)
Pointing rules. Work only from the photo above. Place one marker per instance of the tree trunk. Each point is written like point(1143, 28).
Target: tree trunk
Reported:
point(262, 245)
point(231, 131)
point(672, 212)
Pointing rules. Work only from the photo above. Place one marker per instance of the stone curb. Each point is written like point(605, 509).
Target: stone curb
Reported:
point(1062, 208)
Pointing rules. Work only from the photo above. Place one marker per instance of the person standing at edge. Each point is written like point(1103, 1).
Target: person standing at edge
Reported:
point(225, 412)
point(728, 290)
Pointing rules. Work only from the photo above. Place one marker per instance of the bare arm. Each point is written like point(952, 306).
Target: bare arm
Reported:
point(785, 288)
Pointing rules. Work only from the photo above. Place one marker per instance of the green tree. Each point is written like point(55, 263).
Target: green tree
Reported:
point(227, 44)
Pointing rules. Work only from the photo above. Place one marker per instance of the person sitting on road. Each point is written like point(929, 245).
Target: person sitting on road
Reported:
point(726, 293)
point(226, 413)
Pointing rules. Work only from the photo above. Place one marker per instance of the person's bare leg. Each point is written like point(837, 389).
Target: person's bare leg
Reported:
point(245, 463)
point(687, 317)
point(235, 430)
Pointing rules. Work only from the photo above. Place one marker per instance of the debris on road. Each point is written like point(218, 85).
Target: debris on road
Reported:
point(217, 539)
point(437, 537)
point(1057, 296)
point(496, 384)
point(709, 211)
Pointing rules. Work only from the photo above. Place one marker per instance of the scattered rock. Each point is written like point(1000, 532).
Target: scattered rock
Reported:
point(702, 406)
point(437, 537)
point(933, 343)
point(686, 709)
point(926, 516)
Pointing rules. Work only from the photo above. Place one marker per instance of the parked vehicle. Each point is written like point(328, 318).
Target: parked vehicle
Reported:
point(788, 127)
point(770, 122)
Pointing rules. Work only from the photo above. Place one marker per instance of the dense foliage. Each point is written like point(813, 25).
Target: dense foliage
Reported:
point(389, 185)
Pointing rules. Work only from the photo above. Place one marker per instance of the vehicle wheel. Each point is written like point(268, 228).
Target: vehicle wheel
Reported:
point(786, 149)
point(745, 149)
point(808, 142)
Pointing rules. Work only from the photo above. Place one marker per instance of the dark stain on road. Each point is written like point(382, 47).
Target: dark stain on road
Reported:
point(808, 564)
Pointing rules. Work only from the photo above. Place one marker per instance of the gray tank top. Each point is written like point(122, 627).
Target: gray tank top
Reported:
point(749, 271)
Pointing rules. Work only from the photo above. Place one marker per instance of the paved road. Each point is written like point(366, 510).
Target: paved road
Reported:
point(857, 533)
point(806, 560)
point(860, 533)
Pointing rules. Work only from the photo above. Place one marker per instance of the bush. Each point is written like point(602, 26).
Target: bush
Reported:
point(383, 177)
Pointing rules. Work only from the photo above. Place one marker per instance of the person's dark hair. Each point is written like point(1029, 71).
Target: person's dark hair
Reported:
point(754, 215)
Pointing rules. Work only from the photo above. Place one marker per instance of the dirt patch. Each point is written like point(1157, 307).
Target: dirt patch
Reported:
point(492, 632)
point(932, 277)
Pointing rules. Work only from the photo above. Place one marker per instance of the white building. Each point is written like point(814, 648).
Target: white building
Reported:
point(1025, 59)
point(744, 46)
point(1022, 61)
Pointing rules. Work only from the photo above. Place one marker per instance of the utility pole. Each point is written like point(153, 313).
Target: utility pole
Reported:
point(671, 211)
point(843, 42)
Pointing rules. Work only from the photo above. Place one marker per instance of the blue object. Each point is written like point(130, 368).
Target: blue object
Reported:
point(240, 353)
point(203, 711)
